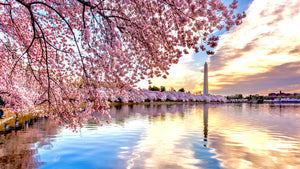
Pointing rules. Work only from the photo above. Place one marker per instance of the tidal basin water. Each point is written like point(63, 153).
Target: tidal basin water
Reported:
point(232, 136)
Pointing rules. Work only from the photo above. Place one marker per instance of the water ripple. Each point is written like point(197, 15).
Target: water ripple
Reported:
point(165, 136)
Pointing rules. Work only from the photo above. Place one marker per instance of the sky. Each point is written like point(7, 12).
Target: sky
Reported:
point(258, 57)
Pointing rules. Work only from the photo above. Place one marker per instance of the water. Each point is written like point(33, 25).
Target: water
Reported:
point(165, 136)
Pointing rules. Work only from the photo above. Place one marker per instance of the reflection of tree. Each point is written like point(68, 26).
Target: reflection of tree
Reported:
point(154, 112)
point(48, 131)
point(18, 150)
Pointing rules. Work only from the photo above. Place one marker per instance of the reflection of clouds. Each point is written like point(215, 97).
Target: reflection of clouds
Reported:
point(213, 135)
point(266, 41)
point(162, 144)
point(255, 149)
point(158, 147)
point(56, 159)
point(251, 141)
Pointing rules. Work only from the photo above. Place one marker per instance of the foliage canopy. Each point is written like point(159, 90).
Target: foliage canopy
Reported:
point(65, 56)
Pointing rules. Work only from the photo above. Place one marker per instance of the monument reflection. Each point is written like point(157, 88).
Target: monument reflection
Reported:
point(205, 122)
point(235, 135)
point(173, 136)
point(165, 136)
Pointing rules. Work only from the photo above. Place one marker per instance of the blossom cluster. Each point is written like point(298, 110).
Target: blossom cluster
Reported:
point(138, 96)
point(291, 100)
point(58, 54)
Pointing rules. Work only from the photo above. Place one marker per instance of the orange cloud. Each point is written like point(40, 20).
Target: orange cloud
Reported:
point(268, 39)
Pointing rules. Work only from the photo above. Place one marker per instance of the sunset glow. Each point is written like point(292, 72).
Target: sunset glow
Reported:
point(251, 58)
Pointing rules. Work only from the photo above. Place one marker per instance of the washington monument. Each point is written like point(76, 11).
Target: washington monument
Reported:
point(205, 86)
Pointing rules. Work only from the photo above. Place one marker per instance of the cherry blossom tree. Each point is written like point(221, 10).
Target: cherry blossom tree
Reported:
point(64, 58)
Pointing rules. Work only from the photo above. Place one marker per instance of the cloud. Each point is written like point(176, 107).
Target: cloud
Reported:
point(262, 54)
point(282, 77)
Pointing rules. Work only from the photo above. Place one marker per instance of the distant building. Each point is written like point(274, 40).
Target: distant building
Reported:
point(205, 86)
point(283, 95)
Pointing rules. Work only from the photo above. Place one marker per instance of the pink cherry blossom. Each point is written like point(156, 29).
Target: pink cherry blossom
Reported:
point(66, 59)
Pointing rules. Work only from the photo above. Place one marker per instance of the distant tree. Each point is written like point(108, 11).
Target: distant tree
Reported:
point(172, 89)
point(181, 90)
point(254, 97)
point(162, 88)
point(238, 96)
point(154, 88)
point(248, 97)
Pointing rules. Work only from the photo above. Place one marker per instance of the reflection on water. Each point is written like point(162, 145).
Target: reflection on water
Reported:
point(258, 136)
point(164, 142)
point(165, 136)
point(205, 122)
point(17, 148)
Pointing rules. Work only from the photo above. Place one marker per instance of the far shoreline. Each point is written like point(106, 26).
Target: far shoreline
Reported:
point(13, 117)
point(191, 102)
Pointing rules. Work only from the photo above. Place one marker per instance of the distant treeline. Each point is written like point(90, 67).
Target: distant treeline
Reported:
point(163, 88)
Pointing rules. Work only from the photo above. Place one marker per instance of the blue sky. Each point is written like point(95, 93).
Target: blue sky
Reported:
point(260, 56)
